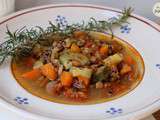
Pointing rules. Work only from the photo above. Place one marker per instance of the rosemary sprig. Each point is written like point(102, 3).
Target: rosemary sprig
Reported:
point(21, 42)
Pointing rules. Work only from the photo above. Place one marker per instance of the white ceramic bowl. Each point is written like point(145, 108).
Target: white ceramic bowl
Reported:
point(141, 33)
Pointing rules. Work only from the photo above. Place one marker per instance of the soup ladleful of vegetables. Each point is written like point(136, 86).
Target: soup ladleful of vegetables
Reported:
point(85, 68)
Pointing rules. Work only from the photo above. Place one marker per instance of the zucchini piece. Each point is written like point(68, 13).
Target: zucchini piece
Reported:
point(113, 60)
point(102, 74)
point(85, 72)
point(66, 57)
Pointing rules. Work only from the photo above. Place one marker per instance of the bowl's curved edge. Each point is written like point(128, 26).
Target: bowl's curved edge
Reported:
point(138, 114)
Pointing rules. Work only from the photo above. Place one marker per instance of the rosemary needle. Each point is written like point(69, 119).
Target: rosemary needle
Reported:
point(21, 42)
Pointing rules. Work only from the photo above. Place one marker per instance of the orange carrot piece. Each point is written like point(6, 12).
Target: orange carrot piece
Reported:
point(66, 79)
point(49, 71)
point(75, 48)
point(33, 74)
point(129, 60)
point(85, 80)
point(104, 50)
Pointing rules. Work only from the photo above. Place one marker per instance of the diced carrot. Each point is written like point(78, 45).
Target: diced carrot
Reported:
point(129, 60)
point(29, 61)
point(125, 69)
point(75, 48)
point(85, 80)
point(34, 74)
point(66, 79)
point(104, 50)
point(80, 34)
point(49, 71)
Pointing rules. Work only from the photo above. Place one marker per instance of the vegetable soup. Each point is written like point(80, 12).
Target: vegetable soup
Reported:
point(84, 68)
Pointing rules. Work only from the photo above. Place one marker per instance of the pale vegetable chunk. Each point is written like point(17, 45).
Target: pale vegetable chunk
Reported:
point(85, 72)
point(113, 60)
point(67, 57)
point(38, 64)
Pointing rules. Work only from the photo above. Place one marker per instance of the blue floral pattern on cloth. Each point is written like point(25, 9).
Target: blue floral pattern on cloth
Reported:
point(61, 20)
point(125, 29)
point(114, 111)
point(21, 100)
point(158, 66)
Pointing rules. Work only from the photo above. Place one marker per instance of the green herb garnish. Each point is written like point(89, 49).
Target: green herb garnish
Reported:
point(21, 42)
